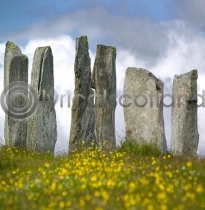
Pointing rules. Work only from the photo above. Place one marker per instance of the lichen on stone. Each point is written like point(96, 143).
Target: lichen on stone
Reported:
point(13, 47)
point(84, 40)
point(44, 48)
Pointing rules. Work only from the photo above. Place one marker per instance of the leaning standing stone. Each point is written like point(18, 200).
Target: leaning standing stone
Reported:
point(104, 83)
point(185, 137)
point(82, 121)
point(143, 108)
point(42, 128)
point(15, 70)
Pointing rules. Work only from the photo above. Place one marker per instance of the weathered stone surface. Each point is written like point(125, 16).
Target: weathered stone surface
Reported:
point(42, 128)
point(185, 137)
point(104, 83)
point(82, 123)
point(143, 108)
point(15, 69)
point(88, 122)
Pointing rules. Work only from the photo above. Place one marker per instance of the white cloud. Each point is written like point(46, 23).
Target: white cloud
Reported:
point(142, 37)
point(191, 12)
point(63, 49)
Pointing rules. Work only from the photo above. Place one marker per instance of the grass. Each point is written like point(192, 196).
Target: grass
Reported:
point(98, 180)
point(132, 147)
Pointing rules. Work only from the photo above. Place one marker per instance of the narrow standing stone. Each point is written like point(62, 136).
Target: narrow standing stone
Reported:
point(143, 108)
point(104, 83)
point(15, 70)
point(185, 137)
point(42, 128)
point(82, 124)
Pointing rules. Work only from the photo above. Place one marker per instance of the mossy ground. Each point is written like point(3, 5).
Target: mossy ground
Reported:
point(93, 179)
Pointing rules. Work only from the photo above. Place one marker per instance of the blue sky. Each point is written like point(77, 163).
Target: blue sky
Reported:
point(16, 15)
point(164, 36)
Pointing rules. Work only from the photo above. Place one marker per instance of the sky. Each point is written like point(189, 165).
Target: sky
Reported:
point(166, 37)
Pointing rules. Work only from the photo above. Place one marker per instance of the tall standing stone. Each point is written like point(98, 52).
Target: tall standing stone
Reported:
point(82, 124)
point(15, 70)
point(42, 128)
point(185, 137)
point(104, 83)
point(143, 108)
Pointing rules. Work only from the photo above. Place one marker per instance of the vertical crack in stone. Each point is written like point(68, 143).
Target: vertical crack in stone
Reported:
point(40, 75)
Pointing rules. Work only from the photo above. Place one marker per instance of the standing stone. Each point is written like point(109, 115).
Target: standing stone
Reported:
point(82, 124)
point(185, 137)
point(143, 108)
point(104, 83)
point(42, 128)
point(15, 70)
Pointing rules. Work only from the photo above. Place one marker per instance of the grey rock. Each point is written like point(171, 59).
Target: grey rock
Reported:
point(42, 127)
point(82, 119)
point(104, 83)
point(143, 108)
point(185, 137)
point(15, 70)
point(88, 122)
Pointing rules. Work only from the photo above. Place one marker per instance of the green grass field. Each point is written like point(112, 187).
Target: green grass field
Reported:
point(131, 177)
